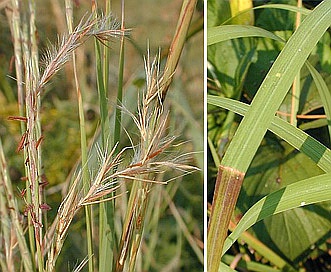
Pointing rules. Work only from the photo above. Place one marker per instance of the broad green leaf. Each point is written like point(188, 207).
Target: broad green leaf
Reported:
point(295, 232)
point(262, 250)
point(237, 6)
point(309, 98)
point(227, 32)
point(275, 166)
point(230, 61)
point(217, 12)
point(308, 191)
point(215, 123)
point(266, 53)
point(277, 17)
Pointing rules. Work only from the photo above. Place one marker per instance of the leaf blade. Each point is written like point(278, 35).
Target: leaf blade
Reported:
point(292, 135)
point(226, 32)
point(308, 191)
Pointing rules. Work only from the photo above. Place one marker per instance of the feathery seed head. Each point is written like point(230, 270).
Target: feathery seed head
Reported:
point(104, 28)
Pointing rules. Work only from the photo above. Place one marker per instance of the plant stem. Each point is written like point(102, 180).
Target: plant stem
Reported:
point(139, 220)
point(106, 209)
point(118, 111)
point(117, 127)
point(17, 37)
point(14, 214)
point(227, 189)
point(253, 127)
point(296, 82)
point(32, 105)
point(177, 43)
point(37, 131)
point(85, 175)
point(261, 248)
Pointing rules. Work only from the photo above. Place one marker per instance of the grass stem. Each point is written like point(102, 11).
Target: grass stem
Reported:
point(17, 37)
point(178, 41)
point(85, 175)
point(106, 209)
point(227, 189)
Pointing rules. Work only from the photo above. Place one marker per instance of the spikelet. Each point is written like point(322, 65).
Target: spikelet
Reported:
point(104, 28)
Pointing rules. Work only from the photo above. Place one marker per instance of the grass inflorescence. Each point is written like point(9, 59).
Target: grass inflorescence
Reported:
point(118, 170)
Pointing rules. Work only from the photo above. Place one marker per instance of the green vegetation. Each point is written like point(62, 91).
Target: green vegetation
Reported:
point(271, 167)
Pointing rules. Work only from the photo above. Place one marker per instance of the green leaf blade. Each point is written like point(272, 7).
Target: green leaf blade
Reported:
point(313, 190)
point(226, 32)
point(297, 138)
point(274, 88)
point(323, 91)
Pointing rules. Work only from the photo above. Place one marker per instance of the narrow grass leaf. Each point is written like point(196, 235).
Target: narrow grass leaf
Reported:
point(83, 141)
point(213, 153)
point(255, 123)
point(106, 241)
point(249, 265)
point(295, 9)
point(183, 227)
point(323, 91)
point(225, 268)
point(292, 135)
point(275, 86)
point(11, 202)
point(313, 124)
point(260, 248)
point(308, 191)
point(226, 32)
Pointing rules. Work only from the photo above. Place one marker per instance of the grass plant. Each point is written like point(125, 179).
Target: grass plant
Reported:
point(244, 152)
point(121, 169)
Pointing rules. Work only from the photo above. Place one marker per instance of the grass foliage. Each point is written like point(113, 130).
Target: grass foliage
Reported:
point(262, 178)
